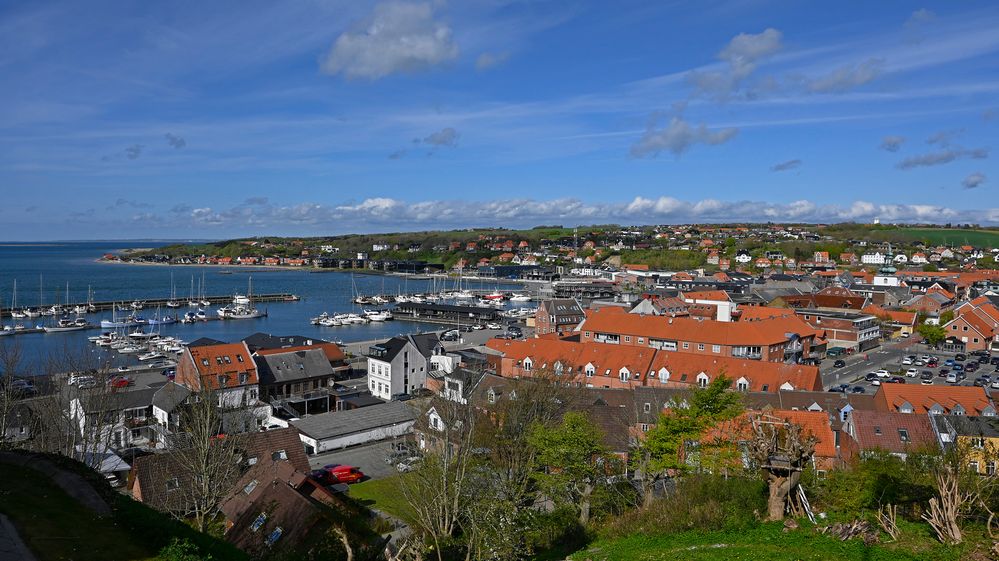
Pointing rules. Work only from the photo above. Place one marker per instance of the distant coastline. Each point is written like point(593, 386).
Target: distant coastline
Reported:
point(212, 265)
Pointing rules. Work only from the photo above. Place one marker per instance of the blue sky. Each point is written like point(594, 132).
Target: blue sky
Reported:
point(216, 119)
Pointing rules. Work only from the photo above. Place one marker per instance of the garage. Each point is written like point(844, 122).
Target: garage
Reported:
point(340, 429)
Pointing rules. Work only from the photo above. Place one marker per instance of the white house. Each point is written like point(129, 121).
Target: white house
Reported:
point(400, 365)
point(876, 258)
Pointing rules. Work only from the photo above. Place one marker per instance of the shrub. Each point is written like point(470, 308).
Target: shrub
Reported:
point(702, 502)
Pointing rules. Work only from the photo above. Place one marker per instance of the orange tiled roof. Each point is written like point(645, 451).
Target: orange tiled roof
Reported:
point(973, 399)
point(753, 313)
point(333, 352)
point(763, 332)
point(227, 359)
point(719, 295)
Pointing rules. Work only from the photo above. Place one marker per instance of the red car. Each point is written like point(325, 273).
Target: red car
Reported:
point(119, 382)
point(339, 473)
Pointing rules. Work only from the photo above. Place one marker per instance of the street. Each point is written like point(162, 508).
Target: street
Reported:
point(369, 458)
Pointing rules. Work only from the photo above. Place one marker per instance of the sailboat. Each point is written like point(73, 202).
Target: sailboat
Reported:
point(14, 312)
point(203, 288)
point(4, 330)
point(241, 306)
point(172, 302)
point(191, 302)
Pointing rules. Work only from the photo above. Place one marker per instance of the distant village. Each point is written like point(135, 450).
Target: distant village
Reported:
point(870, 348)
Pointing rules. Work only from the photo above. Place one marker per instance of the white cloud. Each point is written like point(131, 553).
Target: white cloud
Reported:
point(742, 55)
point(974, 180)
point(942, 157)
point(400, 37)
point(384, 213)
point(444, 137)
point(846, 78)
point(677, 137)
point(892, 143)
point(486, 61)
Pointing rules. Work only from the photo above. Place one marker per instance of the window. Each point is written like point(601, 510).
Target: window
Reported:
point(586, 334)
point(700, 346)
point(978, 442)
point(227, 359)
point(173, 484)
point(251, 461)
point(258, 522)
point(702, 380)
point(686, 345)
point(647, 407)
point(244, 377)
point(877, 431)
point(716, 348)
point(903, 435)
point(590, 370)
point(623, 374)
point(527, 365)
point(990, 468)
point(239, 358)
point(491, 396)
point(742, 385)
point(765, 388)
point(641, 340)
point(279, 455)
point(973, 465)
point(274, 536)
point(250, 487)
point(204, 361)
point(221, 379)
point(645, 427)
point(218, 360)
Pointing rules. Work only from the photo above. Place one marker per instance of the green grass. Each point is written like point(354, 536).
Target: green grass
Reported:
point(768, 542)
point(55, 526)
point(383, 495)
point(947, 236)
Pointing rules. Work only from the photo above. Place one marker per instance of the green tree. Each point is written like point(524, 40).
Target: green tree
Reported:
point(182, 550)
point(946, 317)
point(571, 461)
point(932, 334)
point(662, 451)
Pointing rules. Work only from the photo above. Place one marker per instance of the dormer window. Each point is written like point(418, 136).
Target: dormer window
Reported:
point(221, 380)
point(491, 396)
point(702, 380)
point(742, 385)
point(903, 435)
point(204, 362)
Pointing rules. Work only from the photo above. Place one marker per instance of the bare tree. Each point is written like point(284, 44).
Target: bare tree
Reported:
point(209, 460)
point(782, 451)
point(438, 490)
point(946, 508)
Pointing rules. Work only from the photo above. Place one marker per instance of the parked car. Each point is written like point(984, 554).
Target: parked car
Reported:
point(119, 382)
point(841, 388)
point(943, 372)
point(952, 378)
point(912, 373)
point(840, 363)
point(897, 380)
point(408, 465)
point(971, 367)
point(478, 327)
point(960, 357)
point(906, 361)
point(22, 387)
point(995, 384)
point(950, 362)
point(858, 389)
point(882, 373)
point(926, 375)
point(75, 378)
point(340, 473)
point(493, 325)
point(123, 369)
point(957, 367)
point(984, 359)
point(871, 376)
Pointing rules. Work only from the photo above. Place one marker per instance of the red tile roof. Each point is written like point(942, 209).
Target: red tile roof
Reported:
point(763, 332)
point(719, 295)
point(880, 430)
point(973, 399)
point(227, 359)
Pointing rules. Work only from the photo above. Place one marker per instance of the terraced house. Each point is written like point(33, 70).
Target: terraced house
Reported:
point(775, 339)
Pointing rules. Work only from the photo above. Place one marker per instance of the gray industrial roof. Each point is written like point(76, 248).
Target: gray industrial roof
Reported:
point(342, 423)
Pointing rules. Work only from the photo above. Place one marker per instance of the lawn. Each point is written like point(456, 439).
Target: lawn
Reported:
point(949, 236)
point(768, 542)
point(55, 526)
point(383, 495)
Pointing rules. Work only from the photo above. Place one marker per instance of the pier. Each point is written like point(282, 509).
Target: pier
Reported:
point(152, 303)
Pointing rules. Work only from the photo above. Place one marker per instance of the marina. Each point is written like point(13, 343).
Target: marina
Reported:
point(291, 298)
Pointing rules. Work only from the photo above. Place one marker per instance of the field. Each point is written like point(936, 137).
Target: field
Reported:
point(768, 542)
point(942, 236)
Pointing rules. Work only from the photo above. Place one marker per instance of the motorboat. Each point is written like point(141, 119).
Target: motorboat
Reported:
point(162, 320)
point(318, 320)
point(495, 295)
point(138, 305)
point(241, 306)
point(377, 315)
point(152, 355)
point(66, 324)
point(520, 298)
point(130, 321)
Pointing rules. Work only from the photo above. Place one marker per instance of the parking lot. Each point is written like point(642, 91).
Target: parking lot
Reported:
point(369, 458)
point(890, 357)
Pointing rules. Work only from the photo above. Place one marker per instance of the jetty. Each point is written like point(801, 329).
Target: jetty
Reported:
point(153, 303)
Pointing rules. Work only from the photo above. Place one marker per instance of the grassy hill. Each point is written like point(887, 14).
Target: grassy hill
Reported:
point(56, 527)
point(768, 542)
point(950, 237)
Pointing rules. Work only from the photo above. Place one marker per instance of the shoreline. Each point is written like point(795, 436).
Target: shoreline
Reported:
point(310, 269)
